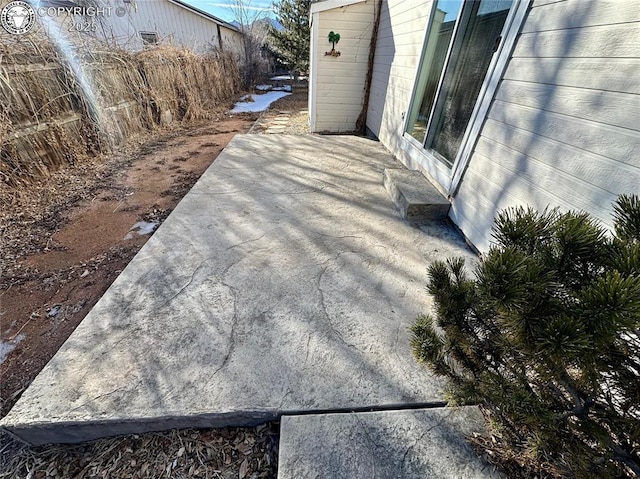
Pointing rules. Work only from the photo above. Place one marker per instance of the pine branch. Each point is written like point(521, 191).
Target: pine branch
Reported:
point(547, 335)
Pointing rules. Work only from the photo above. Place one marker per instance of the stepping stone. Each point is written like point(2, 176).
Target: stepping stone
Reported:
point(414, 196)
point(421, 443)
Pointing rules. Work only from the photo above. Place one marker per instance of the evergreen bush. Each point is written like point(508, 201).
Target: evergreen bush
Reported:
point(546, 338)
point(291, 43)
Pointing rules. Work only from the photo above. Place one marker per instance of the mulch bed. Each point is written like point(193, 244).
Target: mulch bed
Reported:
point(236, 453)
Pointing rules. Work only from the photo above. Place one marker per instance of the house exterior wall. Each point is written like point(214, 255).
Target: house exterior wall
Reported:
point(232, 41)
point(337, 89)
point(173, 24)
point(562, 130)
point(399, 44)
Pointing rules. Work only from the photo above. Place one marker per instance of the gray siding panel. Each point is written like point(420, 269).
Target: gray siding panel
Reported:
point(608, 41)
point(533, 185)
point(537, 3)
point(602, 172)
point(563, 130)
point(604, 74)
point(596, 105)
point(579, 14)
point(619, 144)
point(543, 178)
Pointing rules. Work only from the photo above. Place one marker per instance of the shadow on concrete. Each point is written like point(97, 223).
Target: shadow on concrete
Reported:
point(283, 282)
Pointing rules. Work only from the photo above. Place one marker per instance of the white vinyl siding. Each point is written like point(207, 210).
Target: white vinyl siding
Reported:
point(173, 24)
point(399, 45)
point(563, 129)
point(339, 81)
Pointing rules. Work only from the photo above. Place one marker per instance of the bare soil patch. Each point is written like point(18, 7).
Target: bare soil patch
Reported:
point(65, 240)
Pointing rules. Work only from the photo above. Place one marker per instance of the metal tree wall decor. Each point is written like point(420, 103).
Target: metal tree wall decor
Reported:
point(333, 38)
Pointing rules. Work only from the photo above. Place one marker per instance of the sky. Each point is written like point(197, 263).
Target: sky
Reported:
point(223, 8)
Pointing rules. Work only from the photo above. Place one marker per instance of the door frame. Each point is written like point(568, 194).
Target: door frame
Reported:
point(448, 179)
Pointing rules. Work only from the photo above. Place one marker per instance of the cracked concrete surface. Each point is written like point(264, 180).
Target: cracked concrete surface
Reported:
point(421, 443)
point(284, 281)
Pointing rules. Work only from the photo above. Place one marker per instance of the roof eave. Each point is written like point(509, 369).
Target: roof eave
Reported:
point(323, 5)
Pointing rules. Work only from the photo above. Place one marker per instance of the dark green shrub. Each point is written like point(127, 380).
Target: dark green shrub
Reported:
point(546, 338)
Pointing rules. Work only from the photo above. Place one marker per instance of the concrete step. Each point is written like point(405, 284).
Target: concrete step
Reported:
point(414, 196)
point(416, 443)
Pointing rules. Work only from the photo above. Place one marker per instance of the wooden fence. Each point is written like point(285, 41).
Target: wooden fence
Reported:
point(57, 108)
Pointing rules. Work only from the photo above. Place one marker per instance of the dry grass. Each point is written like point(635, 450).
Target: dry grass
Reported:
point(184, 85)
point(40, 106)
point(58, 108)
point(217, 454)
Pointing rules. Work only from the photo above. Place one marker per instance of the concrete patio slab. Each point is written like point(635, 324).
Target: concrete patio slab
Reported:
point(284, 281)
point(423, 443)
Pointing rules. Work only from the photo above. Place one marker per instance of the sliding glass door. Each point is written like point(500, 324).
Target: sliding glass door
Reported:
point(461, 41)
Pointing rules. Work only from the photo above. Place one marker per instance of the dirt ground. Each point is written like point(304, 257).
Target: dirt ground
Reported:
point(289, 115)
point(67, 239)
point(63, 242)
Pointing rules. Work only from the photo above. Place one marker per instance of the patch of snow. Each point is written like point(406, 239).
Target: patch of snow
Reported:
point(287, 77)
point(273, 88)
point(282, 77)
point(260, 102)
point(141, 228)
point(7, 346)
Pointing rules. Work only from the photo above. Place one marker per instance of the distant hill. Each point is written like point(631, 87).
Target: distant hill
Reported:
point(263, 21)
point(276, 24)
